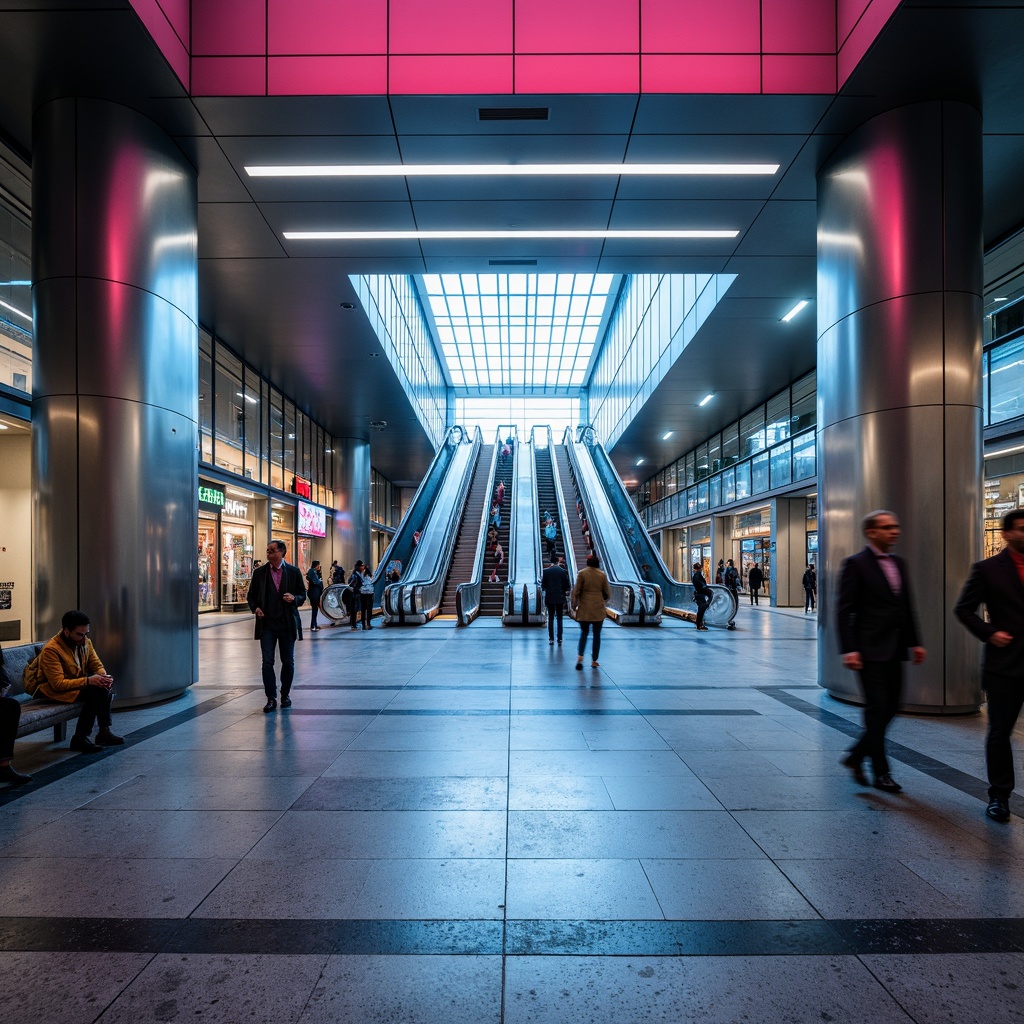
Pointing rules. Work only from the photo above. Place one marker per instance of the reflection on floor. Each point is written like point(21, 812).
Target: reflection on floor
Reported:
point(454, 826)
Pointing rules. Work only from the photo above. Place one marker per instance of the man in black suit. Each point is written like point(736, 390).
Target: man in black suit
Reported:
point(998, 583)
point(877, 625)
point(555, 583)
point(275, 594)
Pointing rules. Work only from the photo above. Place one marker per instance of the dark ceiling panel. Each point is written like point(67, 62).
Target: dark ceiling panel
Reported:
point(301, 216)
point(729, 115)
point(296, 115)
point(519, 148)
point(218, 182)
point(512, 215)
point(782, 229)
point(230, 230)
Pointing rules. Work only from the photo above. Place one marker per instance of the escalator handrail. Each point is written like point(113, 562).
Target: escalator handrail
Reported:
point(467, 594)
point(401, 546)
point(420, 592)
point(563, 513)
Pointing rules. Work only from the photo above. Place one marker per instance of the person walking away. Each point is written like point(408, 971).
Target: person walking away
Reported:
point(275, 595)
point(877, 626)
point(555, 583)
point(589, 595)
point(754, 580)
point(366, 597)
point(998, 584)
point(701, 594)
point(315, 589)
point(810, 582)
point(355, 583)
point(732, 579)
point(69, 670)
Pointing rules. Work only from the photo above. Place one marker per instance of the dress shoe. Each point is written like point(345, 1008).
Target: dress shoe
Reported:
point(83, 745)
point(271, 705)
point(856, 769)
point(105, 738)
point(8, 773)
point(579, 666)
point(998, 810)
point(286, 702)
point(887, 783)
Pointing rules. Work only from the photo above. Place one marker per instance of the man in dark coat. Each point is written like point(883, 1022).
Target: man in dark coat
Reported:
point(555, 583)
point(701, 593)
point(998, 583)
point(275, 595)
point(877, 625)
point(754, 580)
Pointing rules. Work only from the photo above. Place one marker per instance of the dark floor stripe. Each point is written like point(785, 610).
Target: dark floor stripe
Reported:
point(70, 765)
point(938, 770)
point(514, 687)
point(521, 938)
point(525, 712)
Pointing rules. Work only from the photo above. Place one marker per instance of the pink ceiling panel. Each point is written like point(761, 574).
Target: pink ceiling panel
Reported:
point(577, 26)
point(798, 26)
point(450, 26)
point(166, 35)
point(848, 13)
point(179, 14)
point(700, 73)
point(229, 27)
point(697, 26)
point(327, 76)
point(565, 73)
point(799, 73)
point(228, 76)
point(450, 74)
point(327, 26)
point(863, 35)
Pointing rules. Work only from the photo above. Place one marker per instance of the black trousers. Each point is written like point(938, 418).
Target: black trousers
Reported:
point(366, 606)
point(702, 601)
point(10, 714)
point(584, 630)
point(1005, 699)
point(353, 608)
point(882, 682)
point(96, 702)
point(808, 599)
point(555, 614)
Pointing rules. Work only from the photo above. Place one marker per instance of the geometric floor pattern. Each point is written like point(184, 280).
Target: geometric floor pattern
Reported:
point(452, 825)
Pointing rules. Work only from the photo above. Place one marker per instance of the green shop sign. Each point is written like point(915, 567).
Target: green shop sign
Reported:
point(211, 496)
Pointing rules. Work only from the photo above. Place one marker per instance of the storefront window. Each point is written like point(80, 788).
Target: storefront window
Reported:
point(252, 425)
point(777, 427)
point(804, 400)
point(282, 526)
point(804, 457)
point(729, 486)
point(716, 491)
point(276, 440)
point(1006, 381)
point(731, 444)
point(236, 552)
point(752, 432)
point(743, 481)
point(781, 469)
point(205, 397)
point(290, 443)
point(759, 473)
point(228, 415)
point(207, 562)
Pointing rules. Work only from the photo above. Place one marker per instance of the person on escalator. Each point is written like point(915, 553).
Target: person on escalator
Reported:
point(496, 516)
point(499, 557)
point(550, 535)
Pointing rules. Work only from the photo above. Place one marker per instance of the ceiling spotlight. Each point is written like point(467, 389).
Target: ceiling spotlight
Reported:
point(704, 401)
point(667, 435)
point(348, 305)
point(378, 425)
point(793, 312)
point(640, 462)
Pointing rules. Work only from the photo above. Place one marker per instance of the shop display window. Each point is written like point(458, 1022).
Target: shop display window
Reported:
point(236, 564)
point(781, 467)
point(207, 559)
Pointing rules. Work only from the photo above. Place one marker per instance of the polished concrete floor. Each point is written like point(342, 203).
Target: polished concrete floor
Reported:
point(454, 826)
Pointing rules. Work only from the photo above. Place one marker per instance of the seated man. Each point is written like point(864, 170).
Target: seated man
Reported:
point(68, 669)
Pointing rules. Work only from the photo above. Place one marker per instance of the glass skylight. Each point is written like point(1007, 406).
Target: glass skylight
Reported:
point(501, 333)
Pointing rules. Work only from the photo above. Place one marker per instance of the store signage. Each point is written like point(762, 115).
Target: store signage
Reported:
point(236, 509)
point(312, 520)
point(211, 496)
point(303, 488)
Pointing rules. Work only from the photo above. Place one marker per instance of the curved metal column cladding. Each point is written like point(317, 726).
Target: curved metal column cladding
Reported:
point(352, 496)
point(899, 375)
point(114, 410)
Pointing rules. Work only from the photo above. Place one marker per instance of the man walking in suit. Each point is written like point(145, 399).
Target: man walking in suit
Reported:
point(275, 593)
point(556, 585)
point(998, 584)
point(877, 625)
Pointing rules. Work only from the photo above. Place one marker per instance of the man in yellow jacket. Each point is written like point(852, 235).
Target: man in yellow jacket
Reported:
point(69, 670)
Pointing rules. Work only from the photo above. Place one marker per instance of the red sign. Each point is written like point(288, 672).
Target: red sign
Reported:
point(303, 488)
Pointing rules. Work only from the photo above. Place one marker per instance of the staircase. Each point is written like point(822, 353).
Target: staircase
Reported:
point(548, 502)
point(571, 496)
point(464, 556)
point(492, 595)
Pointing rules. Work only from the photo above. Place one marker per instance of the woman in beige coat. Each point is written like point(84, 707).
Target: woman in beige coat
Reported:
point(588, 599)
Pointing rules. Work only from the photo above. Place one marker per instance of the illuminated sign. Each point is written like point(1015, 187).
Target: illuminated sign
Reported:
point(303, 488)
point(312, 520)
point(211, 496)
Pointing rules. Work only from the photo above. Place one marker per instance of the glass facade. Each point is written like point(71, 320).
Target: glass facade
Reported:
point(771, 446)
point(392, 306)
point(15, 300)
point(655, 317)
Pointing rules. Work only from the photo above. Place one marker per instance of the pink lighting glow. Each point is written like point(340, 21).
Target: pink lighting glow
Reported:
point(327, 76)
point(725, 26)
point(450, 26)
point(226, 27)
point(568, 73)
point(297, 27)
point(577, 26)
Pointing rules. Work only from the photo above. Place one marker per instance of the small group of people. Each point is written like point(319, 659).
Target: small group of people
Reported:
point(587, 599)
point(361, 605)
point(878, 631)
point(495, 551)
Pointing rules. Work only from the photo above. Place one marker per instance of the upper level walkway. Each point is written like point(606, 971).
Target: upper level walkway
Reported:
point(454, 826)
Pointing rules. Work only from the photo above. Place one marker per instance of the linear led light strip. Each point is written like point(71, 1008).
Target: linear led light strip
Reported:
point(15, 310)
point(492, 170)
point(326, 236)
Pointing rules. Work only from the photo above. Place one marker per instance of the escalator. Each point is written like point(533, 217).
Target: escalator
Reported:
point(548, 504)
point(471, 529)
point(648, 564)
point(495, 576)
point(576, 555)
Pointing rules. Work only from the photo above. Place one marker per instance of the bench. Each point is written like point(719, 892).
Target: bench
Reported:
point(36, 714)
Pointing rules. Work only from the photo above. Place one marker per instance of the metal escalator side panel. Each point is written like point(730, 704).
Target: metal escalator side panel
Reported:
point(524, 543)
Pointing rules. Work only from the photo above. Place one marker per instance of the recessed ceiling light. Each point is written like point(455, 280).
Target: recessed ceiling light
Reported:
point(704, 401)
point(3, 426)
point(492, 170)
point(640, 462)
point(793, 312)
point(355, 236)
point(1001, 298)
point(15, 310)
point(667, 435)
